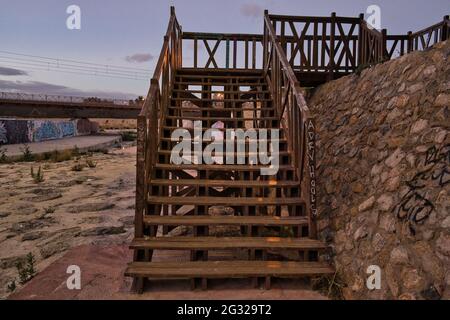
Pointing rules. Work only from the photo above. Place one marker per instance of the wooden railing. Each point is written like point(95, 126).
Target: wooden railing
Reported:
point(427, 37)
point(342, 44)
point(152, 114)
point(223, 50)
point(294, 114)
point(398, 45)
point(318, 44)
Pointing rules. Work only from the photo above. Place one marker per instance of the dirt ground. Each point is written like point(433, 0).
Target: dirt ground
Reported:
point(68, 209)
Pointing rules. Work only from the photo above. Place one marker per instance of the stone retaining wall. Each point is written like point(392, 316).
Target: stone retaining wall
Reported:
point(384, 171)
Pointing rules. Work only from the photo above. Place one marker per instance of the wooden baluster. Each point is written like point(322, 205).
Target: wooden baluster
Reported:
point(235, 53)
point(246, 53)
point(324, 45)
point(195, 53)
point(332, 45)
point(254, 55)
point(315, 60)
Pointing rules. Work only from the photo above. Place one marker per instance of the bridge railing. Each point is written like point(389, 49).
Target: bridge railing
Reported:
point(152, 114)
point(294, 114)
point(88, 101)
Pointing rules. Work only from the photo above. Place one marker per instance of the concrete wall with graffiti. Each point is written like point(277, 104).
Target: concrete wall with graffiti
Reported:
point(14, 131)
point(383, 168)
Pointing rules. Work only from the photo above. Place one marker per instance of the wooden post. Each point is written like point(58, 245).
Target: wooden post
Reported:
point(332, 46)
point(227, 57)
point(445, 34)
point(140, 176)
point(410, 42)
point(360, 40)
point(265, 40)
point(384, 53)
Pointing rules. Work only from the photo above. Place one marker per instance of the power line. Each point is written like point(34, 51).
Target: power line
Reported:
point(77, 73)
point(75, 61)
point(62, 64)
point(92, 71)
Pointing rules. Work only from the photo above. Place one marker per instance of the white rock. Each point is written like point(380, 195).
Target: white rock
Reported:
point(360, 233)
point(395, 158)
point(366, 205)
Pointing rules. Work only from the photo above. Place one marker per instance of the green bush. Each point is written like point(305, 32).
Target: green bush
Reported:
point(38, 177)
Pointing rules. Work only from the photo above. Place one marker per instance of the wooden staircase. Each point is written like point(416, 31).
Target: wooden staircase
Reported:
point(250, 218)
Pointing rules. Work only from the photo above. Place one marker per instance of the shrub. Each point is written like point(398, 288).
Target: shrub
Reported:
point(49, 210)
point(331, 286)
point(12, 286)
point(78, 167)
point(27, 271)
point(27, 156)
point(3, 157)
point(38, 177)
point(91, 163)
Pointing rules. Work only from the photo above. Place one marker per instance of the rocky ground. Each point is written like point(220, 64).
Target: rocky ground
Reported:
point(69, 208)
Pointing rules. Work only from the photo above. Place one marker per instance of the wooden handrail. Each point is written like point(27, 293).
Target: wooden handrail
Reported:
point(294, 115)
point(152, 114)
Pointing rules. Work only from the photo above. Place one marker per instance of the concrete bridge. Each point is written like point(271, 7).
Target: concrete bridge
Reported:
point(51, 106)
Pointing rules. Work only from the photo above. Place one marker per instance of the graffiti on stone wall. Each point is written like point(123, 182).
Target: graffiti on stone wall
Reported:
point(45, 130)
point(26, 131)
point(415, 207)
point(3, 137)
point(49, 130)
point(67, 129)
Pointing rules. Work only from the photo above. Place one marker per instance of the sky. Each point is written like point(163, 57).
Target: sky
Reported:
point(130, 34)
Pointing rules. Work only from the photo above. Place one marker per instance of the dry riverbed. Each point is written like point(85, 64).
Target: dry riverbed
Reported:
point(69, 208)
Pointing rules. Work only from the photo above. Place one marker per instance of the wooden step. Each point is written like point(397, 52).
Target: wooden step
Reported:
point(220, 129)
point(226, 269)
point(223, 243)
point(218, 167)
point(240, 92)
point(223, 119)
point(220, 100)
point(247, 141)
point(220, 71)
point(215, 76)
point(228, 154)
point(267, 221)
point(224, 201)
point(224, 183)
point(239, 83)
point(222, 109)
